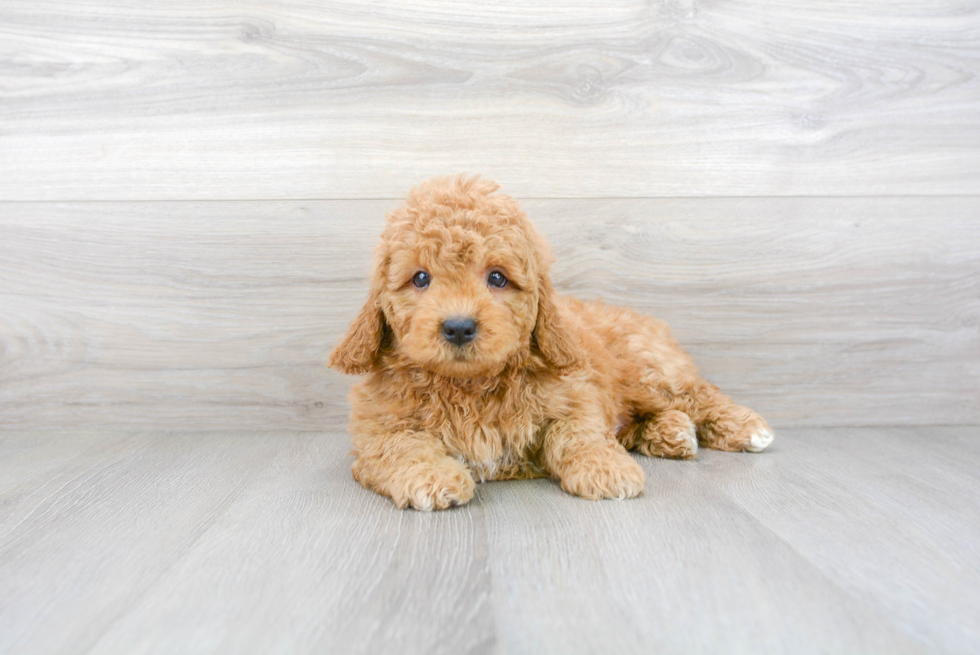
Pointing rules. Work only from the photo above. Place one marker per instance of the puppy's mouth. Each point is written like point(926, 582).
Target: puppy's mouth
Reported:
point(480, 355)
point(462, 354)
point(466, 356)
point(463, 362)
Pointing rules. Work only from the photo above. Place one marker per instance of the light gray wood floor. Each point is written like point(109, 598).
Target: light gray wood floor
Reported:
point(835, 541)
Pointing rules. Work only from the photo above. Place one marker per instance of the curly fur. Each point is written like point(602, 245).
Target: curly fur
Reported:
point(550, 385)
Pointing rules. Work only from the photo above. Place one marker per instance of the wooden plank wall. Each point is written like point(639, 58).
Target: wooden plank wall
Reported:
point(189, 192)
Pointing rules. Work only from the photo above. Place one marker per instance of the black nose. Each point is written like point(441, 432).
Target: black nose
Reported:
point(459, 330)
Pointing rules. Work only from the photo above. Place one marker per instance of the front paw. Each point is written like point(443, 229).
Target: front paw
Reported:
point(439, 486)
point(606, 472)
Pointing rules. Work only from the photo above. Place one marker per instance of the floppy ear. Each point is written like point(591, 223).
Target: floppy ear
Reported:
point(359, 350)
point(555, 341)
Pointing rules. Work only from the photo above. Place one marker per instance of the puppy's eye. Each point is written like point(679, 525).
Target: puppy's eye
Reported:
point(497, 279)
point(421, 279)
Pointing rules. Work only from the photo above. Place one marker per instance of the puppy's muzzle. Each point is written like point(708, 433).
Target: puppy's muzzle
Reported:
point(459, 330)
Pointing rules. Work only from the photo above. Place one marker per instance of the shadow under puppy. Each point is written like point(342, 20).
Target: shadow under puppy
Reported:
point(478, 370)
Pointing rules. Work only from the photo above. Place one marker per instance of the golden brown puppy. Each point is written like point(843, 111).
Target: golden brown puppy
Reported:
point(477, 370)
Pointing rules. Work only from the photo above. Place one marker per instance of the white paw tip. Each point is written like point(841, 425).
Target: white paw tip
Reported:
point(691, 436)
point(759, 441)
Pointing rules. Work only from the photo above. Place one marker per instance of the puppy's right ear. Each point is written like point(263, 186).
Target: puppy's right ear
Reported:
point(359, 351)
point(556, 343)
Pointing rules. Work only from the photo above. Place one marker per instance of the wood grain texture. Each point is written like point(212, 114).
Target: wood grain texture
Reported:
point(682, 571)
point(220, 315)
point(309, 562)
point(83, 542)
point(835, 540)
point(257, 100)
point(889, 514)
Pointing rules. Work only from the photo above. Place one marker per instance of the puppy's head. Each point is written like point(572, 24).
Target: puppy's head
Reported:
point(460, 287)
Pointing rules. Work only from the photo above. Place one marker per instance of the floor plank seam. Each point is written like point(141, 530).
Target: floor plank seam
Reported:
point(76, 482)
point(186, 550)
point(815, 567)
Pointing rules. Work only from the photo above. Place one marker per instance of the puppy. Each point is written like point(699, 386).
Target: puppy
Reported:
point(478, 370)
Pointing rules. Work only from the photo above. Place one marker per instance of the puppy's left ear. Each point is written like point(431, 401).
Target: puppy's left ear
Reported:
point(359, 350)
point(554, 338)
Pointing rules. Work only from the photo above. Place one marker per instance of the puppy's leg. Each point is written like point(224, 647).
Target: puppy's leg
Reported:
point(589, 463)
point(414, 469)
point(724, 425)
point(670, 434)
point(659, 379)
